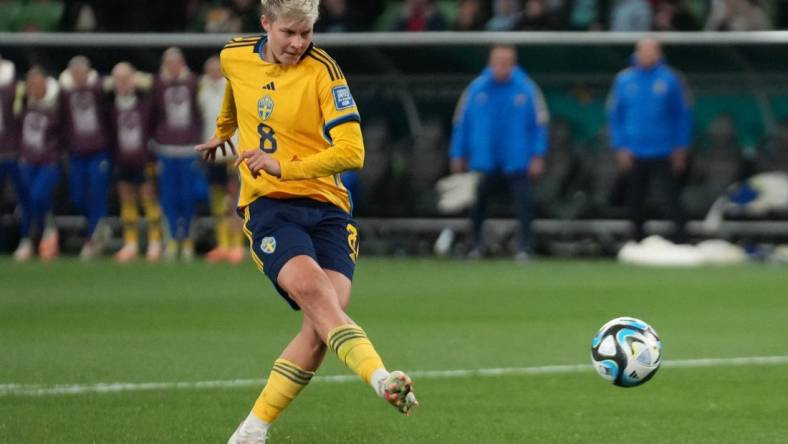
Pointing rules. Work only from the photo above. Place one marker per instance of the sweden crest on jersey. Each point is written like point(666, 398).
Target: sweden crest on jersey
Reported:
point(268, 245)
point(265, 107)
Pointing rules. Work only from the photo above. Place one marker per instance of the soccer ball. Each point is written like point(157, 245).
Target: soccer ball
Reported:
point(626, 352)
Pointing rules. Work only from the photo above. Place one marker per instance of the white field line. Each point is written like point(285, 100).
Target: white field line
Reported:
point(38, 390)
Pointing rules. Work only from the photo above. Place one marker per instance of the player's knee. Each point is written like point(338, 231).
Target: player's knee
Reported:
point(148, 192)
point(126, 195)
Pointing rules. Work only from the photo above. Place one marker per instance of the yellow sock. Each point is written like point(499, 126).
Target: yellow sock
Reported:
point(218, 201)
point(129, 215)
point(219, 212)
point(355, 350)
point(236, 234)
point(284, 384)
point(153, 216)
point(222, 231)
point(172, 246)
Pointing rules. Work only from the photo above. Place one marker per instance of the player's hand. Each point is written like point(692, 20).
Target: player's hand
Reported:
point(625, 159)
point(257, 160)
point(536, 167)
point(679, 160)
point(208, 149)
point(458, 165)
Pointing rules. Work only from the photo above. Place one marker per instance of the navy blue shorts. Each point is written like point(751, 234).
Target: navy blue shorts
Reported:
point(281, 229)
point(135, 175)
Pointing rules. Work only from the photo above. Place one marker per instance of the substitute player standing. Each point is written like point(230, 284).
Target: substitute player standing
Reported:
point(176, 128)
point(9, 133)
point(39, 163)
point(222, 175)
point(85, 135)
point(130, 120)
point(299, 128)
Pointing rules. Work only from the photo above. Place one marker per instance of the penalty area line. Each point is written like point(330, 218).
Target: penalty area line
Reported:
point(41, 390)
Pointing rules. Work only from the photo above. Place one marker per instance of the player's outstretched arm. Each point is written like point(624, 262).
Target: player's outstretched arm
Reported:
point(208, 149)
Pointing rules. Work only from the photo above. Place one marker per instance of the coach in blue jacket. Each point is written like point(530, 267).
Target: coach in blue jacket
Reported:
point(650, 129)
point(500, 130)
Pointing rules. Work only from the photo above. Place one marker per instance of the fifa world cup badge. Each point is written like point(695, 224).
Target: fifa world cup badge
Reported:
point(342, 98)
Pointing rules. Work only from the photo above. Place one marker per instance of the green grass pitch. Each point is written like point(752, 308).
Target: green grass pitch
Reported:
point(76, 324)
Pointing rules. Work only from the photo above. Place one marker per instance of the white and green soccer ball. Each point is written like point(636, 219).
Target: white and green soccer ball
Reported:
point(626, 351)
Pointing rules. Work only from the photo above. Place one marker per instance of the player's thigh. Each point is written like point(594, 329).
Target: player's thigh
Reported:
point(127, 192)
point(195, 185)
point(309, 286)
point(100, 173)
point(274, 248)
point(148, 189)
point(277, 236)
point(26, 175)
point(44, 184)
point(303, 279)
point(78, 175)
point(337, 243)
point(168, 178)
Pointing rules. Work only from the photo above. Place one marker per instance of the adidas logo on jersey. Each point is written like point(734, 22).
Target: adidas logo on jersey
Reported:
point(270, 86)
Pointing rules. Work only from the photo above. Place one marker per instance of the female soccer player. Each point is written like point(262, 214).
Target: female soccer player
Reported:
point(86, 140)
point(176, 128)
point(40, 151)
point(130, 121)
point(222, 176)
point(299, 129)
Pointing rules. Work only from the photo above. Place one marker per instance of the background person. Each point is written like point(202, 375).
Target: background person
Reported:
point(222, 176)
point(86, 139)
point(500, 130)
point(130, 121)
point(9, 131)
point(650, 124)
point(40, 152)
point(177, 127)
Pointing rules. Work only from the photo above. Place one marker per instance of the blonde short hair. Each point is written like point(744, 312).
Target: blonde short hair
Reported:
point(295, 9)
point(123, 68)
point(79, 61)
point(173, 52)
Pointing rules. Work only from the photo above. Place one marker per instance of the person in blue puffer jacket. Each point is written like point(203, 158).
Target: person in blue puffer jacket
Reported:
point(650, 123)
point(500, 130)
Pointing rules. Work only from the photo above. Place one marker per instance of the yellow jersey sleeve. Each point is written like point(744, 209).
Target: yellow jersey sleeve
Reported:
point(347, 153)
point(341, 128)
point(227, 120)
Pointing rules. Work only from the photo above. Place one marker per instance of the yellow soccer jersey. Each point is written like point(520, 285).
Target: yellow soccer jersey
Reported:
point(303, 115)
